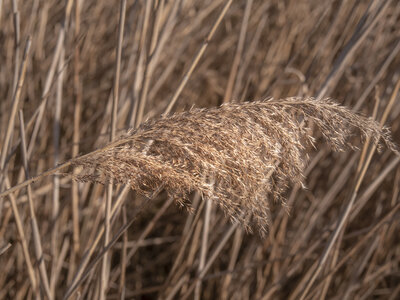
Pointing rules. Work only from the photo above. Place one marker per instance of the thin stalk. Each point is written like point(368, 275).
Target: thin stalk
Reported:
point(4, 248)
point(75, 146)
point(1, 8)
point(122, 288)
point(238, 54)
point(56, 178)
point(24, 243)
point(35, 228)
point(107, 226)
point(15, 103)
point(204, 246)
point(17, 41)
point(196, 59)
point(49, 78)
point(141, 68)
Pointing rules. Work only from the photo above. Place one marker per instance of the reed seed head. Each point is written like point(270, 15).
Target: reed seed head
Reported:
point(240, 156)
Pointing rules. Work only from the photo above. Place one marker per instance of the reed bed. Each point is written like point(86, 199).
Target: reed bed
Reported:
point(112, 111)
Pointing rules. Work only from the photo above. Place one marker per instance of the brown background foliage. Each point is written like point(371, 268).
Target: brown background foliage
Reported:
point(345, 50)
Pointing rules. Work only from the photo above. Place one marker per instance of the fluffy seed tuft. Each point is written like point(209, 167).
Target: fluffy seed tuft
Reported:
point(240, 156)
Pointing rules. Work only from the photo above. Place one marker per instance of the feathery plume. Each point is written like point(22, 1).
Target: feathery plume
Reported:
point(240, 156)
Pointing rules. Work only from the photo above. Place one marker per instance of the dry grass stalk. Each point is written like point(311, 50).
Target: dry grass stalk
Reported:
point(250, 151)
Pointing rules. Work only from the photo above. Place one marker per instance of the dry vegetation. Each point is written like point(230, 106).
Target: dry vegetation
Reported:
point(75, 75)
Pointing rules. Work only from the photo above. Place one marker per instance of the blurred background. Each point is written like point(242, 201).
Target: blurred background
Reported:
point(347, 50)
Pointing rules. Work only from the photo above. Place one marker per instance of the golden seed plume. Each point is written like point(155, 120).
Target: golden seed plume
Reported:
point(240, 156)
